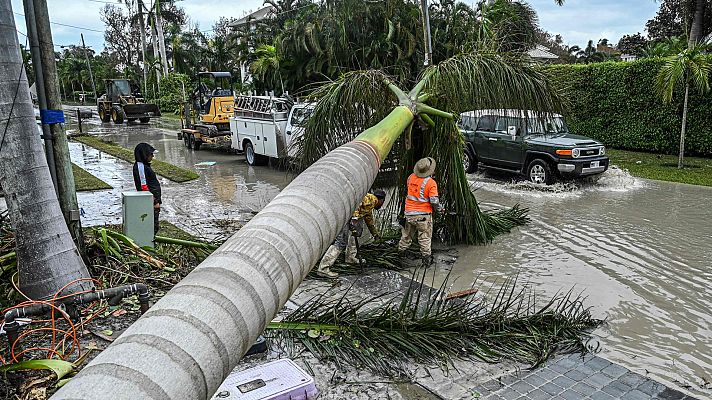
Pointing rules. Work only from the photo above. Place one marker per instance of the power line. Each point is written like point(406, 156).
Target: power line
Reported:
point(67, 25)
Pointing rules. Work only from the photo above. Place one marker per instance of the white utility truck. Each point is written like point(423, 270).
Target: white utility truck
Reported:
point(265, 127)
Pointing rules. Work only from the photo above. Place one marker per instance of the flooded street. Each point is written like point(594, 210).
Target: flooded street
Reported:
point(224, 196)
point(639, 250)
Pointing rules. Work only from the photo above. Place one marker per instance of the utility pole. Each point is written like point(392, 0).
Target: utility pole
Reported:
point(54, 116)
point(40, 87)
point(426, 33)
point(91, 76)
point(161, 39)
point(156, 54)
point(143, 47)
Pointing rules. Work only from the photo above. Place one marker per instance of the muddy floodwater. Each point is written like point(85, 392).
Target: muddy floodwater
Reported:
point(639, 250)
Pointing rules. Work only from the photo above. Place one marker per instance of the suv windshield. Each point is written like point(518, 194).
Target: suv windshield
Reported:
point(122, 87)
point(546, 126)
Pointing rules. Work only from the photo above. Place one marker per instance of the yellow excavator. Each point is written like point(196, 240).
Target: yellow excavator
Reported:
point(205, 117)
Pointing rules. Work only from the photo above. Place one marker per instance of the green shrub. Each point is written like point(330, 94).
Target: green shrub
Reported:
point(172, 86)
point(616, 102)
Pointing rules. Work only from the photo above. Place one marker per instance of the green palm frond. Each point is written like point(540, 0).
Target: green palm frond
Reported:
point(358, 100)
point(490, 81)
point(385, 334)
point(345, 108)
point(689, 66)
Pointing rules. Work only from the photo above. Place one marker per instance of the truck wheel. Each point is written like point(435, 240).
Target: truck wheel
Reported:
point(117, 115)
point(539, 172)
point(469, 161)
point(191, 141)
point(104, 114)
point(186, 140)
point(251, 157)
point(144, 120)
point(196, 144)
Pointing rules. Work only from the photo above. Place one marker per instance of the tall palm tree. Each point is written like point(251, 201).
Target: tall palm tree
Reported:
point(226, 302)
point(691, 67)
point(46, 254)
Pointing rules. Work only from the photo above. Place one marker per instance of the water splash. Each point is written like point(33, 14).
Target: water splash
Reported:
point(613, 180)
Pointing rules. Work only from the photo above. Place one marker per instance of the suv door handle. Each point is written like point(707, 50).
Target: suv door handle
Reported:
point(492, 139)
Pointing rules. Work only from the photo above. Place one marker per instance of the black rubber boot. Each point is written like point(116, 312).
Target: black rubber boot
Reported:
point(427, 261)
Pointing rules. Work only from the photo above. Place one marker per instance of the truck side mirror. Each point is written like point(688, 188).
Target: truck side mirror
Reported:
point(512, 130)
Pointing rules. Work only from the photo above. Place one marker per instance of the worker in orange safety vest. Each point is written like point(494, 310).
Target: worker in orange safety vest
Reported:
point(421, 201)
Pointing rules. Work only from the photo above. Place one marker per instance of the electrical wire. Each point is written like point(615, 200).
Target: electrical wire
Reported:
point(60, 337)
point(67, 25)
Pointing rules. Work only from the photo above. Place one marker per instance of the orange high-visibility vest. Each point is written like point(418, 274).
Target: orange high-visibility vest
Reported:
point(420, 192)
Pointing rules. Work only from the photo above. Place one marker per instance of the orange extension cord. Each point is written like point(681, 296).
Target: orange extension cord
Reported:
point(58, 347)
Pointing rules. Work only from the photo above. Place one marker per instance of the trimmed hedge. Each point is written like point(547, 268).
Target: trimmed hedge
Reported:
point(616, 103)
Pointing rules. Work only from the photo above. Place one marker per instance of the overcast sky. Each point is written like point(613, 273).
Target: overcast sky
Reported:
point(578, 20)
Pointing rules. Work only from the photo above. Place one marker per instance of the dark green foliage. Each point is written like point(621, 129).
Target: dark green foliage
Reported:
point(172, 92)
point(617, 103)
point(632, 44)
point(386, 333)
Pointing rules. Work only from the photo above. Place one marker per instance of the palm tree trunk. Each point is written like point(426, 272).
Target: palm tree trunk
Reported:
point(684, 126)
point(697, 21)
point(161, 39)
point(156, 53)
point(46, 254)
point(188, 342)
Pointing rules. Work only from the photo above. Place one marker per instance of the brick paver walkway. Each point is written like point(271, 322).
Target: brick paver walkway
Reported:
point(573, 377)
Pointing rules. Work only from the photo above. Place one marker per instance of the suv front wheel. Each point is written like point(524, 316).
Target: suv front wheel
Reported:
point(539, 172)
point(469, 161)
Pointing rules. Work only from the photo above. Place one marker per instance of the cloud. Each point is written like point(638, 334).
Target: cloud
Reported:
point(581, 20)
point(577, 21)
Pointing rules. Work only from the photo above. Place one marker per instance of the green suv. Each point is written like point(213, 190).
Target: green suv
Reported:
point(537, 146)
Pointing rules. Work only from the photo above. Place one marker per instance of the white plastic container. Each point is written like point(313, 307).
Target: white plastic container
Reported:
point(276, 380)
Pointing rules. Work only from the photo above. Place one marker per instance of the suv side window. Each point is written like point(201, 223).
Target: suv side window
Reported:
point(486, 123)
point(504, 122)
point(467, 122)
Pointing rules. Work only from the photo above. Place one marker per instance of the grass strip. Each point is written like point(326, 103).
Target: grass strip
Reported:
point(662, 167)
point(85, 181)
point(170, 171)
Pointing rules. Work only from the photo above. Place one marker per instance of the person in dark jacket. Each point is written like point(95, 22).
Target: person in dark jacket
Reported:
point(145, 179)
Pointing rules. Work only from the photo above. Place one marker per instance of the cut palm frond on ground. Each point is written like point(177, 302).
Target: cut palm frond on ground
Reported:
point(386, 334)
point(422, 123)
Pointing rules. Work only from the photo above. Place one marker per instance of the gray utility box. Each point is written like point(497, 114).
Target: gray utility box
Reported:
point(137, 212)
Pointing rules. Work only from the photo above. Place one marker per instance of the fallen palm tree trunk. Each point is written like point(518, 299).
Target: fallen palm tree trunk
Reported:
point(188, 342)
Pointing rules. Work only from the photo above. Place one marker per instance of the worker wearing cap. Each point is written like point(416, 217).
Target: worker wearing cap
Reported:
point(346, 239)
point(420, 202)
point(145, 179)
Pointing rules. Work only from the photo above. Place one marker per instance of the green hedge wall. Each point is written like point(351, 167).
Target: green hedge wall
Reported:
point(616, 102)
